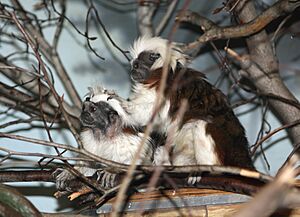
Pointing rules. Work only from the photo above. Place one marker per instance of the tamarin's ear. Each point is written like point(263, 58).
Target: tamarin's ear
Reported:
point(112, 116)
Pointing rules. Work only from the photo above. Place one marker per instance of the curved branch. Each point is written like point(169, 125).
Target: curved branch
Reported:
point(297, 122)
point(226, 182)
point(98, 20)
point(214, 32)
point(18, 202)
point(261, 68)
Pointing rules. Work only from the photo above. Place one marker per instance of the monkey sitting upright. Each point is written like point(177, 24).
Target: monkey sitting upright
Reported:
point(108, 132)
point(209, 132)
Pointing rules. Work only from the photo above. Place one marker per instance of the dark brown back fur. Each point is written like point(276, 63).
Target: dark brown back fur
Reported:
point(209, 104)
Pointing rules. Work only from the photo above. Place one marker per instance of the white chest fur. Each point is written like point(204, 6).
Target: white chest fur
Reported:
point(121, 148)
point(141, 106)
point(194, 146)
point(191, 144)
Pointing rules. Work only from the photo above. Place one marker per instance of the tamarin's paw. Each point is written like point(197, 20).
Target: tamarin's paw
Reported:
point(193, 179)
point(62, 178)
point(106, 179)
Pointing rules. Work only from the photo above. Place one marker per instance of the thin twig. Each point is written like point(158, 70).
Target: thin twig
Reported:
point(49, 53)
point(43, 69)
point(107, 33)
point(258, 143)
point(164, 21)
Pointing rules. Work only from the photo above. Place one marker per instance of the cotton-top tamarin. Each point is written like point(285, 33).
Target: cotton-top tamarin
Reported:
point(209, 132)
point(108, 132)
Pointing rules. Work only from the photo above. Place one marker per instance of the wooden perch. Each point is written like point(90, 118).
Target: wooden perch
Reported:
point(227, 182)
point(27, 176)
point(243, 182)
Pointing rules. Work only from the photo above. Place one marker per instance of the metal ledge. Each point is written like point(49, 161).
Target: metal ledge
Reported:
point(178, 202)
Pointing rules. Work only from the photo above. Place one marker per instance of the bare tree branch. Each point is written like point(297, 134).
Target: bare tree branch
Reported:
point(21, 99)
point(269, 83)
point(97, 20)
point(119, 168)
point(45, 73)
point(30, 83)
point(272, 196)
point(164, 21)
point(267, 80)
point(251, 26)
point(60, 25)
point(17, 202)
point(145, 12)
point(50, 54)
point(258, 143)
point(27, 176)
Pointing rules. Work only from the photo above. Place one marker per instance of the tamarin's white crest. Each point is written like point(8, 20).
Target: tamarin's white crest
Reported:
point(209, 133)
point(108, 132)
point(167, 51)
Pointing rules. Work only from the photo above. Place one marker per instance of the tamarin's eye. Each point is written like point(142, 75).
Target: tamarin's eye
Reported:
point(88, 99)
point(108, 98)
point(154, 56)
point(93, 109)
point(135, 65)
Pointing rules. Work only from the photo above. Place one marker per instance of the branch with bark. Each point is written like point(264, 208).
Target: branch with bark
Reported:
point(49, 52)
point(267, 80)
point(261, 66)
point(145, 13)
point(249, 27)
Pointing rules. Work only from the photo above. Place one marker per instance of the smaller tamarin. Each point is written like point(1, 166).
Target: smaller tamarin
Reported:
point(108, 132)
point(209, 132)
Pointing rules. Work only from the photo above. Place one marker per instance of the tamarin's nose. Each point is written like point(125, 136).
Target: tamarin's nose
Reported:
point(87, 99)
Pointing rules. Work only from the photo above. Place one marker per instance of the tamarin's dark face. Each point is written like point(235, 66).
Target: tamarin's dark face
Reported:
point(99, 115)
point(140, 67)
